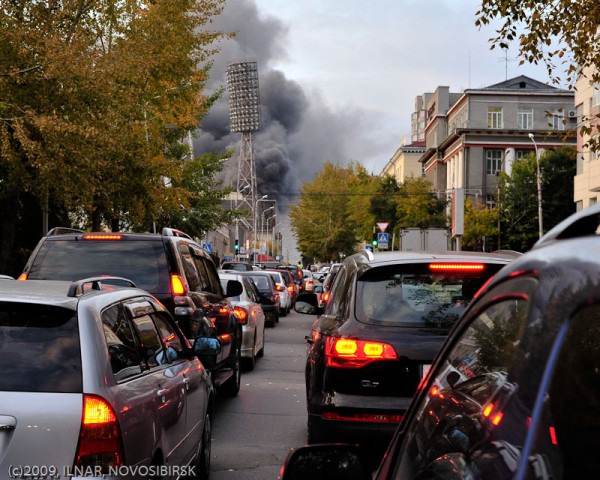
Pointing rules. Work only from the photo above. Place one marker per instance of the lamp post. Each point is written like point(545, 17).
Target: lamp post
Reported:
point(261, 199)
point(268, 220)
point(539, 187)
point(262, 218)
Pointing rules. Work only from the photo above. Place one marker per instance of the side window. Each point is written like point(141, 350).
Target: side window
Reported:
point(171, 341)
point(212, 277)
point(150, 340)
point(125, 356)
point(337, 293)
point(204, 279)
point(189, 266)
point(474, 419)
point(568, 435)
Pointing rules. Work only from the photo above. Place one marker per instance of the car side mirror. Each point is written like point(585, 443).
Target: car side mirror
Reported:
point(207, 346)
point(318, 289)
point(308, 303)
point(234, 288)
point(326, 462)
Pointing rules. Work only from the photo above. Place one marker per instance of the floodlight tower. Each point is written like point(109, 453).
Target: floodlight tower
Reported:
point(244, 117)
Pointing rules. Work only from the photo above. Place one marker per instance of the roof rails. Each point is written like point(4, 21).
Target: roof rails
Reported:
point(583, 223)
point(77, 287)
point(171, 232)
point(62, 231)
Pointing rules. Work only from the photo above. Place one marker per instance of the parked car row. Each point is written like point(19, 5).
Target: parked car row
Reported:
point(496, 384)
point(127, 339)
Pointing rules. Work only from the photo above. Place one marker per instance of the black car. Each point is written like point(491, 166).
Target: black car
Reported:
point(513, 393)
point(387, 317)
point(269, 298)
point(171, 266)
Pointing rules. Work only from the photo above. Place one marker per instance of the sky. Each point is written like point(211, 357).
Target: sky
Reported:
point(338, 79)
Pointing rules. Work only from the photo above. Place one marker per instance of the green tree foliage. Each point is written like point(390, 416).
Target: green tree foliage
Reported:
point(418, 207)
point(480, 222)
point(322, 217)
point(561, 34)
point(518, 197)
point(92, 96)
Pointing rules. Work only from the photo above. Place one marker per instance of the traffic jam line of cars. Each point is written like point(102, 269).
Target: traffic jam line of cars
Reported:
point(127, 340)
point(512, 392)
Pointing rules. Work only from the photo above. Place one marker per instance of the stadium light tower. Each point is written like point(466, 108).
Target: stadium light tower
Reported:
point(244, 117)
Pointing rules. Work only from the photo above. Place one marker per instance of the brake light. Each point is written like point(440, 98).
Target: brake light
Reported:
point(279, 288)
point(494, 417)
point(23, 276)
point(290, 288)
point(241, 314)
point(102, 236)
point(364, 417)
point(100, 442)
point(457, 267)
point(177, 286)
point(325, 297)
point(353, 353)
point(224, 311)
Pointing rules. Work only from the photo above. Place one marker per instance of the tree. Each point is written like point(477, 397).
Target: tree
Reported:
point(92, 100)
point(564, 31)
point(417, 206)
point(480, 222)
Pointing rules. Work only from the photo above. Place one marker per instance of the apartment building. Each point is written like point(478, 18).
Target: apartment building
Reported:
point(587, 106)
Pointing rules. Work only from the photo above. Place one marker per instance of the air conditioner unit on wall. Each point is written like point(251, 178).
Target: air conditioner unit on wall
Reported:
point(572, 114)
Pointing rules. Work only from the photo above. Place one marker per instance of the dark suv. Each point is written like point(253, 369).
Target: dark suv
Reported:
point(388, 315)
point(170, 266)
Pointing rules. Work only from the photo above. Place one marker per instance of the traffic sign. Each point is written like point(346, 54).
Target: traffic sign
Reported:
point(382, 240)
point(382, 226)
point(207, 247)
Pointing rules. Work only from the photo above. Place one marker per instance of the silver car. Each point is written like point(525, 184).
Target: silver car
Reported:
point(97, 380)
point(249, 312)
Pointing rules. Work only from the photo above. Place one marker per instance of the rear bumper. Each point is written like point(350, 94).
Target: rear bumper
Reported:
point(247, 341)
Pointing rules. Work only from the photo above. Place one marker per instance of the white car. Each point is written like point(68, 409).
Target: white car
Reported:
point(249, 312)
point(285, 297)
point(309, 281)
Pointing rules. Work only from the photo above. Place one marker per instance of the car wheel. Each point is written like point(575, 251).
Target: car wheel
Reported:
point(202, 465)
point(232, 386)
point(248, 363)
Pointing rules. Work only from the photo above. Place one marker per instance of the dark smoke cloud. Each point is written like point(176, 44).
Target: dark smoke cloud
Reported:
point(299, 131)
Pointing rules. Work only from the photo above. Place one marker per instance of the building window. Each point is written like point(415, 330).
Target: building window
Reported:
point(525, 119)
point(556, 120)
point(493, 160)
point(593, 201)
point(494, 117)
point(521, 153)
point(596, 95)
point(490, 200)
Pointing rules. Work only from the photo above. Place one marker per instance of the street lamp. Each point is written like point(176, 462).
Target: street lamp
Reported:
point(272, 244)
point(539, 186)
point(262, 218)
point(261, 199)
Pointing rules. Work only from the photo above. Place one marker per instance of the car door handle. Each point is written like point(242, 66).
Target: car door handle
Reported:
point(7, 423)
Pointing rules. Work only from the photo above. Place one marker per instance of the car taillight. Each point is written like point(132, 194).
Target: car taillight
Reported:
point(490, 413)
point(241, 314)
point(449, 267)
point(177, 286)
point(279, 288)
point(353, 353)
point(23, 276)
point(290, 288)
point(364, 417)
point(100, 442)
point(102, 236)
point(325, 297)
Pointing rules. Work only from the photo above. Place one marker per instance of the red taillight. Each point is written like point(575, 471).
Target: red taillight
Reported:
point(457, 267)
point(364, 417)
point(325, 297)
point(279, 288)
point(23, 276)
point(100, 440)
point(290, 288)
point(102, 236)
point(352, 353)
point(177, 286)
point(224, 311)
point(241, 314)
point(494, 417)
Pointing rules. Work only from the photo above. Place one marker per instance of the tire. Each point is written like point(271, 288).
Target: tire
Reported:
point(202, 463)
point(231, 387)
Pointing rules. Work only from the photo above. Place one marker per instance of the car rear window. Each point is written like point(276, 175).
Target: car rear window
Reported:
point(39, 349)
point(415, 296)
point(142, 262)
point(262, 283)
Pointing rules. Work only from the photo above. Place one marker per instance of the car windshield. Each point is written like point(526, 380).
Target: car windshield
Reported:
point(414, 296)
point(142, 262)
point(39, 349)
point(262, 283)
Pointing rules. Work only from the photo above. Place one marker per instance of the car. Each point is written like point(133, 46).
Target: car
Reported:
point(239, 266)
point(309, 281)
point(292, 286)
point(296, 273)
point(322, 273)
point(269, 297)
point(171, 266)
point(328, 281)
point(387, 316)
point(534, 330)
point(285, 297)
point(247, 308)
point(98, 377)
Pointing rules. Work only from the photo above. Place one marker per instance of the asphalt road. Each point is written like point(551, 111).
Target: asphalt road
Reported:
point(253, 432)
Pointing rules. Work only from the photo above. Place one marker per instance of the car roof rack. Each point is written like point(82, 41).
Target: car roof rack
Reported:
point(76, 289)
point(172, 232)
point(584, 223)
point(62, 231)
